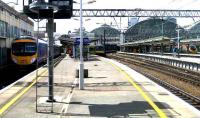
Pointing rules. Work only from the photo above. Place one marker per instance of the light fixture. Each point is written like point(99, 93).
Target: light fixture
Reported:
point(41, 5)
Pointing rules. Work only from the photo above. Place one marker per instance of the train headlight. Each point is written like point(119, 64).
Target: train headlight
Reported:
point(33, 59)
point(14, 60)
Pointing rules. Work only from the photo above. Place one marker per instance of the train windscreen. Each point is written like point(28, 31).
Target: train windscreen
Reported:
point(24, 49)
point(193, 47)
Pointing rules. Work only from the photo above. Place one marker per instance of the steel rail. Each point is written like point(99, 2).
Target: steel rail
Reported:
point(193, 100)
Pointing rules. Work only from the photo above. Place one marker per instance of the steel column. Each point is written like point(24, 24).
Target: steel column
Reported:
point(50, 59)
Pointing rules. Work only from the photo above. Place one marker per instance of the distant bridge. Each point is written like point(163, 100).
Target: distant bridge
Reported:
point(136, 13)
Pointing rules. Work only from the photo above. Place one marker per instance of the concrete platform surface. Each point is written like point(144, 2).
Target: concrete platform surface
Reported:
point(111, 90)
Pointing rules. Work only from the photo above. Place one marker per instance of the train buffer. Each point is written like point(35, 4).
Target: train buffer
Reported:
point(111, 90)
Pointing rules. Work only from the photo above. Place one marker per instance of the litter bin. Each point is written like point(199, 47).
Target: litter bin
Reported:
point(85, 73)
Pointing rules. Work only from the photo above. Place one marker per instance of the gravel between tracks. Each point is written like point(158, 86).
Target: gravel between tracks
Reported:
point(185, 86)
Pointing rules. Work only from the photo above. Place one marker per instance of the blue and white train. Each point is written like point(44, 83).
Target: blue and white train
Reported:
point(26, 50)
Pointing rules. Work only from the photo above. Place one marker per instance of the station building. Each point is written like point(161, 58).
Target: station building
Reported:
point(156, 35)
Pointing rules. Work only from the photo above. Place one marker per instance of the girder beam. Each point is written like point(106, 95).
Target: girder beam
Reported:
point(136, 13)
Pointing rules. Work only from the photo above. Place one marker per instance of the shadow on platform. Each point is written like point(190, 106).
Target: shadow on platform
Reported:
point(122, 109)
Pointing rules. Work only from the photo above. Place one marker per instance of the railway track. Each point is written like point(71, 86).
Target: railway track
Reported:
point(191, 99)
point(16, 73)
point(182, 74)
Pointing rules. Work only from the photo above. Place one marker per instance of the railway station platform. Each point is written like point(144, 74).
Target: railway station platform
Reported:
point(111, 90)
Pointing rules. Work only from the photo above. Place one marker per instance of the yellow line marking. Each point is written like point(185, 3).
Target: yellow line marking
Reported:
point(130, 79)
point(12, 101)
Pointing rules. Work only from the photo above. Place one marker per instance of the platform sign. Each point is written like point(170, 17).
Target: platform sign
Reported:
point(86, 41)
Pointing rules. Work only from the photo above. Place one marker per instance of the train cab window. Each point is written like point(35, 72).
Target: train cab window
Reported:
point(24, 49)
point(193, 47)
point(30, 48)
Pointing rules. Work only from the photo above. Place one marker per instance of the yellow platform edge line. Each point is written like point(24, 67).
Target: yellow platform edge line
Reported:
point(160, 113)
point(13, 100)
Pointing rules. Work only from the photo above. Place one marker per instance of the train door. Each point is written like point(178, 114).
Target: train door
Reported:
point(3, 52)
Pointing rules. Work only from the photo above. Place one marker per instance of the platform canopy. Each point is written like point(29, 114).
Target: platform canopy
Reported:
point(153, 27)
point(65, 39)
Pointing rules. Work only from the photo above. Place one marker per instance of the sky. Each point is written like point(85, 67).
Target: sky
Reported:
point(65, 25)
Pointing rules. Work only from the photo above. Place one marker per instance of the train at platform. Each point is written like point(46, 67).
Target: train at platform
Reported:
point(12, 25)
point(102, 50)
point(186, 49)
point(189, 48)
point(27, 50)
point(159, 45)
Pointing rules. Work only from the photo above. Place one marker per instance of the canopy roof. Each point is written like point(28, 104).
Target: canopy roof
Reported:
point(109, 31)
point(153, 27)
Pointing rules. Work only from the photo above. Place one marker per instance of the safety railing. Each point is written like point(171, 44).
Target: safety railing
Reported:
point(177, 63)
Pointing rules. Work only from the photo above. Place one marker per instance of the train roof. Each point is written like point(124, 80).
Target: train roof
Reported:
point(39, 40)
point(25, 37)
point(31, 38)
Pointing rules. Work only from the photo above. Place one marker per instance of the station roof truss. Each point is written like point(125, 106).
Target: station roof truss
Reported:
point(136, 13)
point(153, 27)
point(109, 32)
point(194, 32)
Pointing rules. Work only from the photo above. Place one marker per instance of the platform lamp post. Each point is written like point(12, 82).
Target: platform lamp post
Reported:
point(162, 38)
point(37, 7)
point(103, 38)
point(81, 66)
point(104, 41)
point(178, 41)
